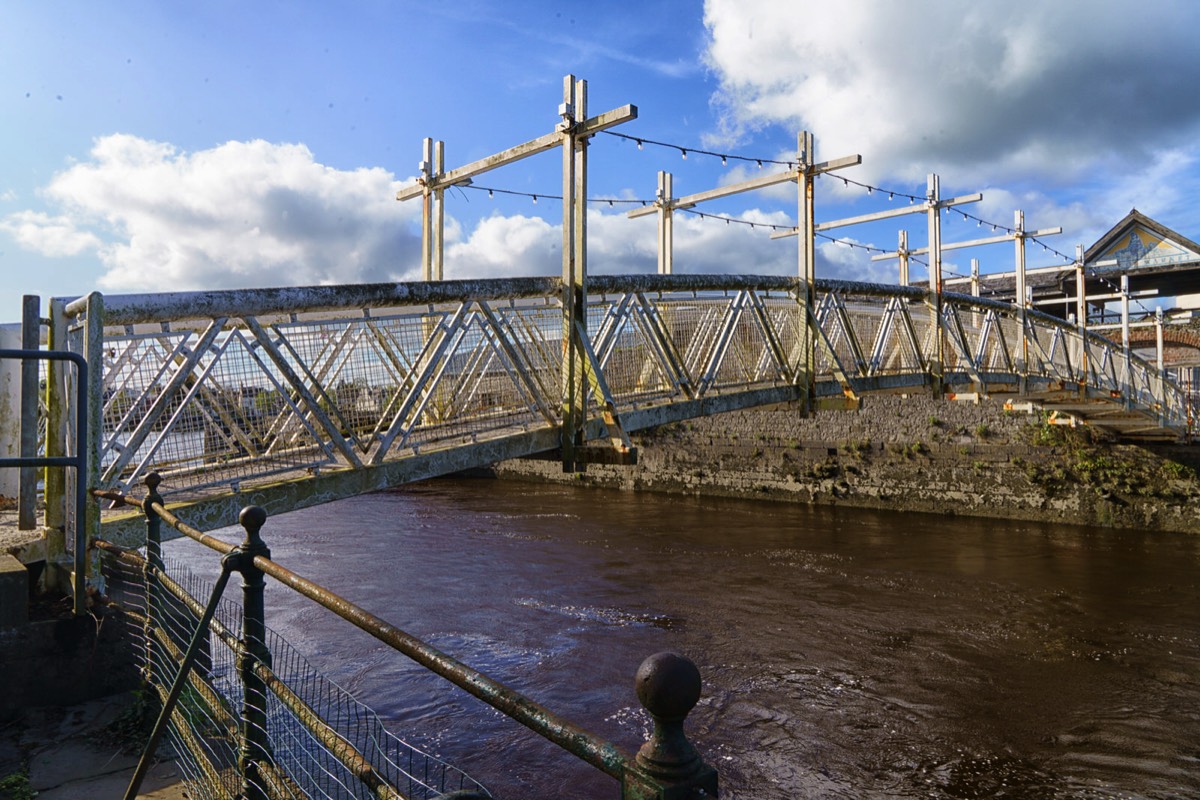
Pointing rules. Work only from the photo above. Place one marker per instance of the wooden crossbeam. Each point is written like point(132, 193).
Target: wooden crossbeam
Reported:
point(533, 147)
point(760, 182)
point(1005, 237)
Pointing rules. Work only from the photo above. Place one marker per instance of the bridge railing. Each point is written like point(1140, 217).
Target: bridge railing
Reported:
point(219, 390)
point(250, 719)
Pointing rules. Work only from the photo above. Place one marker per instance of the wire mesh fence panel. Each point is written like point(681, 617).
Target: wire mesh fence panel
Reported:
point(202, 407)
point(321, 740)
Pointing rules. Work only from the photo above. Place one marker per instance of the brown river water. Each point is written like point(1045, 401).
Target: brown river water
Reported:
point(844, 653)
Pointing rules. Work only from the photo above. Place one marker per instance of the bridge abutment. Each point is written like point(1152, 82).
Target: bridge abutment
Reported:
point(913, 454)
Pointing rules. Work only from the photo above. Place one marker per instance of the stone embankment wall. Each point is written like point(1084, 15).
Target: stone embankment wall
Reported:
point(911, 454)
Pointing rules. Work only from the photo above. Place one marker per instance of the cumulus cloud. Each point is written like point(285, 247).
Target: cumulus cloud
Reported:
point(252, 214)
point(501, 246)
point(52, 236)
point(979, 90)
point(238, 215)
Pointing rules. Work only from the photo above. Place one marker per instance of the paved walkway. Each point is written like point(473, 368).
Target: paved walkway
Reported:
point(71, 756)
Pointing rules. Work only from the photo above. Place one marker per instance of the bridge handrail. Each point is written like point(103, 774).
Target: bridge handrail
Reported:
point(133, 309)
point(606, 756)
point(1050, 320)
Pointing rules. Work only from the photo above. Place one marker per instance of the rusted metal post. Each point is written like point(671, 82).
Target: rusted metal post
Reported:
point(1021, 301)
point(439, 214)
point(667, 767)
point(88, 513)
point(31, 328)
point(806, 231)
point(666, 223)
point(934, 218)
point(254, 748)
point(57, 423)
point(1161, 388)
point(426, 181)
point(1126, 350)
point(573, 111)
point(154, 562)
point(1081, 313)
point(181, 679)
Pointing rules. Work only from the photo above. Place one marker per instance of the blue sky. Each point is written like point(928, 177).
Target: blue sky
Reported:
point(156, 146)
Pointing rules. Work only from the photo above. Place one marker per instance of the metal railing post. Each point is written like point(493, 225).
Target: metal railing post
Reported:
point(88, 514)
point(1160, 365)
point(667, 767)
point(31, 328)
point(181, 679)
point(154, 563)
point(58, 419)
point(254, 748)
point(1126, 350)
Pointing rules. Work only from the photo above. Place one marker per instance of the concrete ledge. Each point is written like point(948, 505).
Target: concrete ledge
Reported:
point(14, 593)
point(58, 662)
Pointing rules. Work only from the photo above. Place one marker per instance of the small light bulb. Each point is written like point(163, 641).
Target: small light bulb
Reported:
point(683, 153)
point(639, 141)
point(535, 199)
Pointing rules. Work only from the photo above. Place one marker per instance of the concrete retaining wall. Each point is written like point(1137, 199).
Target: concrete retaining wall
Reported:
point(911, 454)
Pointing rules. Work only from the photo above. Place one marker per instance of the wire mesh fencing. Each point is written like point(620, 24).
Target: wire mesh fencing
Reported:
point(320, 741)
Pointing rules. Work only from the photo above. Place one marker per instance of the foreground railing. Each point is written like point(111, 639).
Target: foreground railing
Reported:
point(246, 731)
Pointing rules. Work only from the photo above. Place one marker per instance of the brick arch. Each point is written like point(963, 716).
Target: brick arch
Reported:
point(1146, 337)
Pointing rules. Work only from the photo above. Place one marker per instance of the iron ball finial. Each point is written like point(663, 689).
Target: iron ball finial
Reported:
point(667, 766)
point(152, 480)
point(668, 685)
point(252, 518)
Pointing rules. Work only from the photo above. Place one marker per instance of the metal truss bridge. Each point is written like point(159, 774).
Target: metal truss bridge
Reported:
point(291, 397)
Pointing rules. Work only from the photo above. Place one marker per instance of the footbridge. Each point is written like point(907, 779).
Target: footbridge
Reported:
point(291, 397)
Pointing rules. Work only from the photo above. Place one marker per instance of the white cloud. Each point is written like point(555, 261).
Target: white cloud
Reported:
point(505, 247)
point(259, 214)
point(981, 90)
point(238, 215)
point(52, 236)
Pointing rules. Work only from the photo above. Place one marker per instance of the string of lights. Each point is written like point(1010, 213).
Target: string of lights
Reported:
point(685, 151)
point(870, 189)
point(736, 221)
point(848, 243)
point(493, 191)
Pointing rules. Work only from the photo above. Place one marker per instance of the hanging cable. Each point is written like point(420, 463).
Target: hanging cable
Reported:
point(493, 191)
point(685, 151)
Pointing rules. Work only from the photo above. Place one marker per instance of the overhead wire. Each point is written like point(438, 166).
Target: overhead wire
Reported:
point(892, 193)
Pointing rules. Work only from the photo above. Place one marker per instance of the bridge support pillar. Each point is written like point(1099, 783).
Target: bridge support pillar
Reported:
point(574, 269)
point(806, 294)
point(937, 345)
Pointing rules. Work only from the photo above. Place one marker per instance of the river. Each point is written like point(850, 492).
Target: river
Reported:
point(844, 653)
